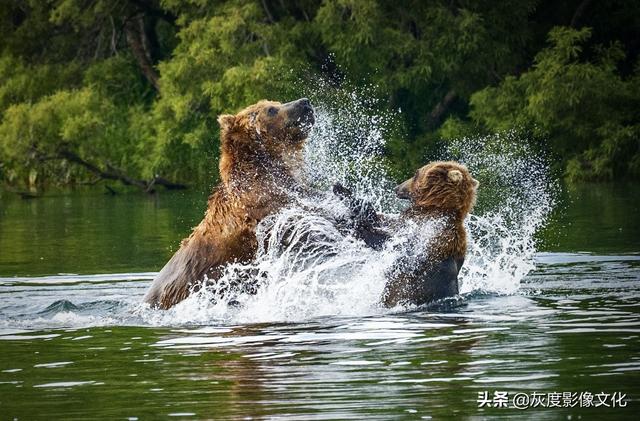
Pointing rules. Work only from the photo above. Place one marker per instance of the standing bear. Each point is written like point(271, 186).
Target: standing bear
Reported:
point(260, 160)
point(443, 192)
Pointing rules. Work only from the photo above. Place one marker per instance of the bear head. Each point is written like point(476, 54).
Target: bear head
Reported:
point(269, 135)
point(443, 187)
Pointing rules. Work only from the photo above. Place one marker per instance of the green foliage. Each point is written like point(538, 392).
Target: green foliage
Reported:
point(118, 78)
point(80, 122)
point(415, 51)
point(586, 110)
point(455, 128)
point(26, 83)
point(137, 85)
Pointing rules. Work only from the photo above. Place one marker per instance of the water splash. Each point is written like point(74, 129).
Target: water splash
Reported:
point(347, 144)
point(516, 197)
point(306, 267)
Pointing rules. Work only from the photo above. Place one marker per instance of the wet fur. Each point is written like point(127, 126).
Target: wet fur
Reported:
point(260, 154)
point(440, 190)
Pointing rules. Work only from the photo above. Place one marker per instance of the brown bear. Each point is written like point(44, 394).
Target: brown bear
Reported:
point(443, 192)
point(260, 159)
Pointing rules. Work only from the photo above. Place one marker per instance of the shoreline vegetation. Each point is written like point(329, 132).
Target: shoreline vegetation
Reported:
point(127, 91)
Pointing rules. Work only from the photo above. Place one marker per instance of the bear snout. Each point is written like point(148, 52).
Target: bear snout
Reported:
point(305, 105)
point(403, 190)
point(300, 112)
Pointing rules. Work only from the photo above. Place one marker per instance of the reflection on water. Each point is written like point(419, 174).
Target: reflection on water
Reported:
point(574, 326)
point(96, 233)
point(598, 218)
point(91, 232)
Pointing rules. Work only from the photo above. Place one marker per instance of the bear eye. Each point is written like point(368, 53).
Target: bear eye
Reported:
point(272, 111)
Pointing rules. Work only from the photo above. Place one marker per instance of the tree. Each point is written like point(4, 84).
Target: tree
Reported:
point(584, 109)
point(157, 72)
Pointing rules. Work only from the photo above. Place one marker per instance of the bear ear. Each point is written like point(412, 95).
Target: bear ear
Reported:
point(455, 176)
point(476, 183)
point(226, 121)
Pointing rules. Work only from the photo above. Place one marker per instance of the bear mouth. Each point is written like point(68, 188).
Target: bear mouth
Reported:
point(303, 123)
point(306, 116)
point(403, 190)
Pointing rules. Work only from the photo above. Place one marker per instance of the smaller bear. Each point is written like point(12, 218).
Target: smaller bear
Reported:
point(444, 192)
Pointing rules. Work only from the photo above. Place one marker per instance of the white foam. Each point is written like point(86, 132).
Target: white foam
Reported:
point(516, 196)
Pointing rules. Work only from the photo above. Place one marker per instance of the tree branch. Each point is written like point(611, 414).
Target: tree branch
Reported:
point(139, 44)
point(438, 112)
point(267, 11)
point(114, 48)
point(112, 173)
point(575, 19)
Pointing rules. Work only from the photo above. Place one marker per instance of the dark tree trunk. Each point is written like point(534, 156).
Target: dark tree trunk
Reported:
point(577, 15)
point(141, 48)
point(437, 113)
